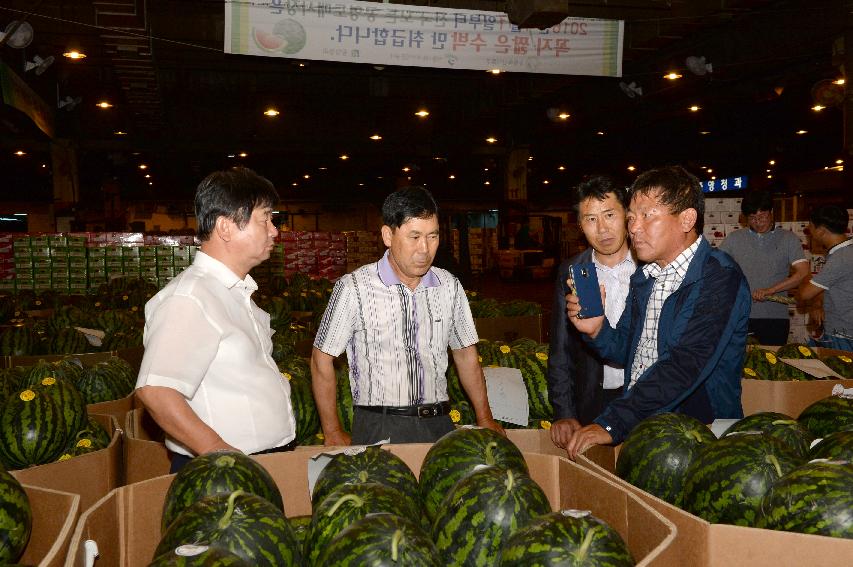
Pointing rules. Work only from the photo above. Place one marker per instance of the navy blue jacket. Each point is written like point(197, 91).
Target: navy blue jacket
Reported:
point(701, 346)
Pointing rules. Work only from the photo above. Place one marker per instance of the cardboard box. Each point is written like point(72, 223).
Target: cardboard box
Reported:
point(116, 408)
point(55, 514)
point(509, 328)
point(126, 523)
point(145, 454)
point(722, 545)
point(90, 476)
point(131, 355)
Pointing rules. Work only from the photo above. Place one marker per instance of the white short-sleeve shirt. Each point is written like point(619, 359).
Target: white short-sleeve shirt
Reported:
point(206, 338)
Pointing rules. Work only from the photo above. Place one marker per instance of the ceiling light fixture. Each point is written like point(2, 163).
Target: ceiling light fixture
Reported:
point(147, 176)
point(495, 71)
point(344, 157)
point(839, 161)
point(232, 155)
point(694, 108)
point(104, 104)
point(120, 133)
point(491, 140)
point(20, 153)
point(306, 176)
point(143, 166)
point(672, 76)
point(271, 112)
point(600, 133)
point(546, 182)
point(818, 107)
point(487, 183)
point(772, 162)
point(406, 169)
point(631, 168)
point(452, 177)
point(801, 132)
point(564, 116)
point(243, 154)
point(422, 113)
point(838, 81)
point(74, 54)
point(705, 132)
point(562, 168)
point(376, 137)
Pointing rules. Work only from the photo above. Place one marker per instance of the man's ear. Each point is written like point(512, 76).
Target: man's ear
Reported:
point(223, 228)
point(688, 219)
point(387, 233)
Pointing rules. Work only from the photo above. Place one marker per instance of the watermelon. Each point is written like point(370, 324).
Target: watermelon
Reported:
point(381, 539)
point(456, 454)
point(796, 350)
point(122, 339)
point(68, 400)
point(524, 345)
point(841, 364)
point(482, 511)
point(728, 478)
point(304, 408)
point(199, 556)
point(816, 498)
point(778, 425)
point(657, 452)
point(17, 341)
point(455, 392)
point(105, 381)
point(760, 364)
point(219, 472)
point(9, 383)
point(38, 371)
point(80, 445)
point(352, 502)
point(68, 341)
point(245, 524)
point(534, 370)
point(461, 413)
point(15, 519)
point(71, 368)
point(33, 430)
point(301, 526)
point(373, 464)
point(834, 413)
point(568, 537)
point(785, 372)
point(94, 430)
point(837, 446)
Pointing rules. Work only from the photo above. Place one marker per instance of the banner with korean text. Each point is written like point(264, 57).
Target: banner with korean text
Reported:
point(420, 36)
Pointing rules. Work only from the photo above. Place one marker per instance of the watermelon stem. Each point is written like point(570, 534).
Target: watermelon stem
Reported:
point(583, 551)
point(362, 476)
point(395, 545)
point(490, 457)
point(510, 480)
point(225, 520)
point(696, 436)
point(775, 462)
point(347, 498)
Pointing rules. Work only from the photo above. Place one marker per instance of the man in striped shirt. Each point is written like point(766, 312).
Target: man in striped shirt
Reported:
point(396, 318)
point(682, 335)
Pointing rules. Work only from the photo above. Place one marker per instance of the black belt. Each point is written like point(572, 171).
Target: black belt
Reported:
point(423, 410)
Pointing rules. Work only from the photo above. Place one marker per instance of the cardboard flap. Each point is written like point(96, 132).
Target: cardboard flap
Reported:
point(54, 517)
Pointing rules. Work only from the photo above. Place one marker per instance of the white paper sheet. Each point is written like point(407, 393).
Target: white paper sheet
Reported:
point(507, 395)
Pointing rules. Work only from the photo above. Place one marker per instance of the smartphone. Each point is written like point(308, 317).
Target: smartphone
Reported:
point(585, 280)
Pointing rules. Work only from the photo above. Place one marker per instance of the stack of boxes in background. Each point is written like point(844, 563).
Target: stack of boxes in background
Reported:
point(482, 248)
point(455, 248)
point(318, 254)
point(721, 219)
point(7, 262)
point(362, 247)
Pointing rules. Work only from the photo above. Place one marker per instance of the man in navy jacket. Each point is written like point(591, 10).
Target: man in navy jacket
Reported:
point(682, 335)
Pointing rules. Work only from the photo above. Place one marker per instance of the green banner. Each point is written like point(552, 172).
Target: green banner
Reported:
point(17, 94)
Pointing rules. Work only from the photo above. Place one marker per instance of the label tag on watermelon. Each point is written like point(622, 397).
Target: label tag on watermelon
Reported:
point(507, 395)
point(94, 336)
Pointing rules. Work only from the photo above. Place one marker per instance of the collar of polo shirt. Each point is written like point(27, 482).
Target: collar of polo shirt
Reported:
point(389, 276)
point(224, 275)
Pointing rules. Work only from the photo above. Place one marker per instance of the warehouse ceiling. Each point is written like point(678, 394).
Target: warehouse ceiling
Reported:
point(186, 106)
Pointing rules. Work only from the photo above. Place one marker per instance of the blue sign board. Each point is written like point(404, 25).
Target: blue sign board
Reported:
point(727, 184)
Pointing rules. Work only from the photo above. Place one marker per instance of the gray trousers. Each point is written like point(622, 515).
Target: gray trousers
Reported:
point(370, 427)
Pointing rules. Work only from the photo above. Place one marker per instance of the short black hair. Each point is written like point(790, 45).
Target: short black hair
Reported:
point(832, 217)
point(233, 194)
point(599, 186)
point(408, 203)
point(755, 201)
point(677, 188)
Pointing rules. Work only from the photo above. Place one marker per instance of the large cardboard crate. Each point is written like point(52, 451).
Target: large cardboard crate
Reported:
point(509, 328)
point(126, 523)
point(720, 545)
point(55, 514)
point(145, 454)
point(132, 355)
point(90, 476)
point(116, 408)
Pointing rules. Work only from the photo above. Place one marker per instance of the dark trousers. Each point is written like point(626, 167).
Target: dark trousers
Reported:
point(770, 331)
point(179, 461)
point(370, 427)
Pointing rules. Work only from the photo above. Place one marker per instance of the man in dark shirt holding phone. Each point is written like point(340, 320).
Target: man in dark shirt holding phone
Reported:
point(580, 384)
point(682, 335)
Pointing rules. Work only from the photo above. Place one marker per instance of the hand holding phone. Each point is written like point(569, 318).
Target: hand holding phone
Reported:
point(584, 281)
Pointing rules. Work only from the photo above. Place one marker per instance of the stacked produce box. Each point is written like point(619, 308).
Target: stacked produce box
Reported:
point(362, 247)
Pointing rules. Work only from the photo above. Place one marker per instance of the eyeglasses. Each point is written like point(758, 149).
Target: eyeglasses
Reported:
point(759, 215)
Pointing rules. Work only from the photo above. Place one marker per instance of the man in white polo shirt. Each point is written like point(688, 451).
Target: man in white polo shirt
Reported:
point(396, 318)
point(207, 376)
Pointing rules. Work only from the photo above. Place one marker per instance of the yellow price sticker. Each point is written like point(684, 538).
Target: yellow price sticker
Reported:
point(505, 349)
point(804, 351)
point(48, 381)
point(455, 416)
point(771, 358)
point(846, 359)
point(27, 395)
point(750, 372)
point(541, 356)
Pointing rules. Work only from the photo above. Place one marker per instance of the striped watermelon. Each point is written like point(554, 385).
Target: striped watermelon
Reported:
point(304, 408)
point(40, 370)
point(534, 370)
point(68, 400)
point(816, 498)
point(122, 339)
point(301, 526)
point(245, 524)
point(657, 452)
point(461, 413)
point(33, 430)
point(728, 478)
point(783, 427)
point(796, 351)
point(381, 539)
point(374, 464)
point(456, 454)
point(9, 383)
point(15, 519)
point(349, 503)
point(17, 341)
point(344, 397)
point(72, 368)
point(836, 446)
point(80, 445)
point(841, 364)
point(759, 364)
point(94, 430)
point(482, 511)
point(455, 392)
point(105, 381)
point(199, 556)
point(220, 472)
point(834, 413)
point(68, 341)
point(568, 537)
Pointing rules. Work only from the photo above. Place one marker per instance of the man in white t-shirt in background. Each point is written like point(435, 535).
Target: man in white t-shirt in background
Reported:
point(207, 376)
